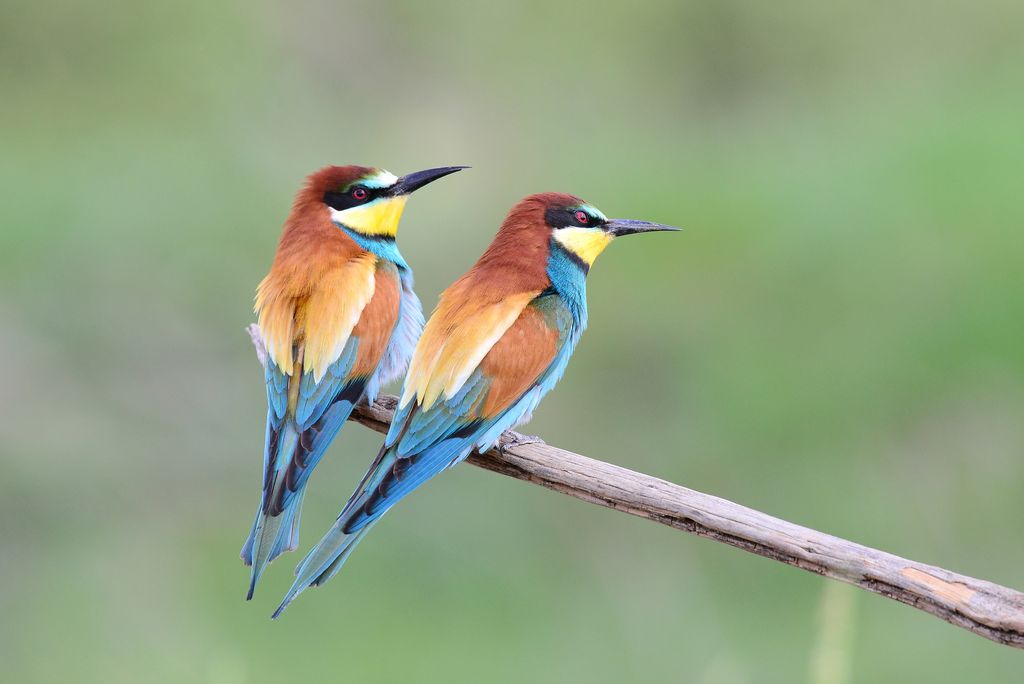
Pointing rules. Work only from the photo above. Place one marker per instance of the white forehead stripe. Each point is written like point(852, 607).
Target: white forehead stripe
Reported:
point(381, 179)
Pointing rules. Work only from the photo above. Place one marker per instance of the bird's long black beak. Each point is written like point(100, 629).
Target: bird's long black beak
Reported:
point(414, 181)
point(619, 227)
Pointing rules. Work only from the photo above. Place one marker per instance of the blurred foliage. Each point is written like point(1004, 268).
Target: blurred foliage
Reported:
point(837, 338)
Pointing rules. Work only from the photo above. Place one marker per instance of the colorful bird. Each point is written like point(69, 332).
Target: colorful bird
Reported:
point(339, 318)
point(498, 341)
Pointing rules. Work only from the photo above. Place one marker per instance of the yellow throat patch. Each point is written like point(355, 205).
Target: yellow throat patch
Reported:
point(376, 218)
point(586, 243)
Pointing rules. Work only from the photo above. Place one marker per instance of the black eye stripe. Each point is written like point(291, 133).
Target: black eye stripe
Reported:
point(342, 200)
point(565, 217)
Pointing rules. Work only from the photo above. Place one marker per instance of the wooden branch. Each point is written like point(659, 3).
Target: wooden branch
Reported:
point(989, 610)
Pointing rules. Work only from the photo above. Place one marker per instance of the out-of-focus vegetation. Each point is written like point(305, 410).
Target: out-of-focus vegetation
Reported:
point(837, 338)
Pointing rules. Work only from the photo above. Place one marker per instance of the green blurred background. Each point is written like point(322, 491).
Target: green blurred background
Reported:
point(837, 338)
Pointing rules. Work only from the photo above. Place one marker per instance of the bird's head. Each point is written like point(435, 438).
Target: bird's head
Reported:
point(368, 201)
point(582, 230)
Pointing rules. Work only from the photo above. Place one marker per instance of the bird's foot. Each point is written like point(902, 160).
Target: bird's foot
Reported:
point(518, 440)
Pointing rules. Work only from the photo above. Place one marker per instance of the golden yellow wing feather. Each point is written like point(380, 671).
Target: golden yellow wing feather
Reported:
point(319, 321)
point(455, 341)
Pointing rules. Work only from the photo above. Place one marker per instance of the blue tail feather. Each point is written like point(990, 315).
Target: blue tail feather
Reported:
point(286, 473)
point(279, 533)
point(323, 562)
point(272, 535)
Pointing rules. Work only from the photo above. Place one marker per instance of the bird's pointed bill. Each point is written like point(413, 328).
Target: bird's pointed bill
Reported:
point(381, 216)
point(416, 180)
point(618, 227)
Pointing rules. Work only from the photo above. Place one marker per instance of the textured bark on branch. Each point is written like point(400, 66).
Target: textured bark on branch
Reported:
point(990, 610)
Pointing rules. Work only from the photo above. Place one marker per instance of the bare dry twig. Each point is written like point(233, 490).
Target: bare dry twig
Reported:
point(989, 610)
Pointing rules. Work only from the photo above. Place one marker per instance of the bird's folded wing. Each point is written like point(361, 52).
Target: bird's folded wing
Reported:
point(361, 353)
point(455, 341)
point(324, 399)
point(332, 312)
point(307, 332)
point(426, 439)
point(321, 318)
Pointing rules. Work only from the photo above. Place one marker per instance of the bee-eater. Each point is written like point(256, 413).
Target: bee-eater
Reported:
point(499, 340)
point(339, 318)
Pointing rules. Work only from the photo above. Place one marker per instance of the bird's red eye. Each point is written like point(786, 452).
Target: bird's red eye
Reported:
point(582, 217)
point(360, 193)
